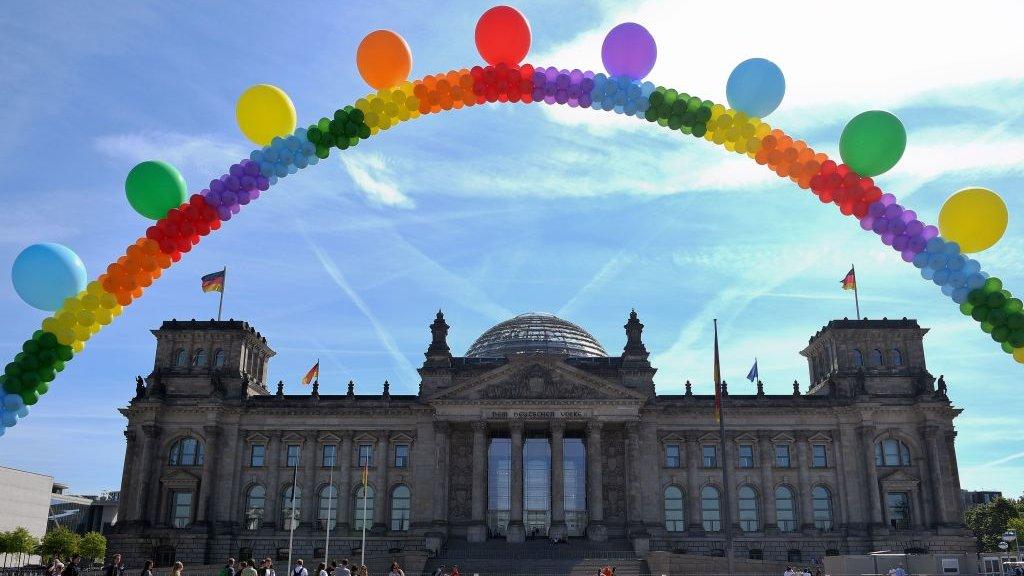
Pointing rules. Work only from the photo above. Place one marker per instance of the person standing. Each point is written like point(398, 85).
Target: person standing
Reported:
point(248, 570)
point(395, 570)
point(344, 569)
point(178, 568)
point(270, 568)
point(115, 568)
point(299, 569)
point(147, 568)
point(74, 567)
point(228, 569)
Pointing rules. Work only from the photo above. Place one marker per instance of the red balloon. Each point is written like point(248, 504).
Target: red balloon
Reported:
point(503, 36)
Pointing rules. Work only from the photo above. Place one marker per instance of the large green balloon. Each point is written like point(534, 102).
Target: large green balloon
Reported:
point(873, 142)
point(154, 187)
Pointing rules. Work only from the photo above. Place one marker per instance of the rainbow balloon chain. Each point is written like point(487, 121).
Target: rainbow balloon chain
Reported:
point(64, 333)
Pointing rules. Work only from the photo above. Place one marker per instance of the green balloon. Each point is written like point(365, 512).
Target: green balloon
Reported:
point(30, 397)
point(154, 187)
point(1007, 347)
point(873, 142)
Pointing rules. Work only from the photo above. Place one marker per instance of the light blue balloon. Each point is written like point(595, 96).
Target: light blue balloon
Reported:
point(756, 87)
point(13, 402)
point(941, 276)
point(921, 260)
point(976, 280)
point(971, 266)
point(9, 418)
point(960, 295)
point(927, 273)
point(44, 275)
point(947, 290)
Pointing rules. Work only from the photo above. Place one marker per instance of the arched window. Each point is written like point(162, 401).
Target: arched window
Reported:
point(897, 357)
point(327, 511)
point(362, 512)
point(219, 357)
point(199, 358)
point(674, 519)
point(255, 504)
point(892, 452)
point(401, 505)
point(748, 509)
point(291, 504)
point(785, 509)
point(858, 359)
point(186, 452)
point(710, 509)
point(180, 358)
point(876, 358)
point(822, 506)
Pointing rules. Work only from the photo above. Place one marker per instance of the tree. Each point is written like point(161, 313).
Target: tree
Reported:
point(5, 545)
point(21, 542)
point(59, 542)
point(989, 521)
point(93, 546)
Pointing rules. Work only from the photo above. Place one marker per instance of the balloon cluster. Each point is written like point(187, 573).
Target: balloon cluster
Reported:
point(503, 83)
point(621, 95)
point(453, 89)
point(389, 107)
point(899, 227)
point(182, 227)
point(679, 111)
point(1000, 314)
point(341, 132)
point(241, 185)
point(792, 159)
point(575, 88)
point(942, 262)
point(736, 131)
point(282, 157)
point(31, 372)
point(844, 187)
point(12, 407)
point(84, 314)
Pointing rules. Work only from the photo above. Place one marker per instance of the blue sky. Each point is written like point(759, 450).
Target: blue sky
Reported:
point(497, 210)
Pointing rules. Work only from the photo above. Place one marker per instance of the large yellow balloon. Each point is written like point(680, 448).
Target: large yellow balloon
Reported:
point(974, 218)
point(1018, 354)
point(263, 112)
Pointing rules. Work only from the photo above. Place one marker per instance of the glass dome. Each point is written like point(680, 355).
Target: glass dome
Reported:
point(535, 332)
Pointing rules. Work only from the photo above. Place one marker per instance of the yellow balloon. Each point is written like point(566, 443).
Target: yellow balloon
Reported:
point(974, 218)
point(263, 112)
point(1018, 354)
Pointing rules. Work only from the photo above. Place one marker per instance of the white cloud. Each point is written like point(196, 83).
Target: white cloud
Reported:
point(375, 179)
point(203, 155)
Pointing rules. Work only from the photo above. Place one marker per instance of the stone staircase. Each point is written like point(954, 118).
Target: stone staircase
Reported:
point(538, 558)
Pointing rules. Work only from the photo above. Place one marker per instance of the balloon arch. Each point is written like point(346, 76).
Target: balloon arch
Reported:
point(51, 277)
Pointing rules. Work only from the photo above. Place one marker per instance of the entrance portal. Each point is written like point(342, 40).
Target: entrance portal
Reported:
point(537, 487)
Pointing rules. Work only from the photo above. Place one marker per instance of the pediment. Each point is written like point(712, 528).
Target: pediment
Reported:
point(745, 438)
point(784, 438)
point(292, 438)
point(900, 479)
point(709, 438)
point(365, 438)
point(538, 377)
point(179, 479)
point(257, 438)
point(820, 437)
point(328, 438)
point(673, 438)
point(401, 438)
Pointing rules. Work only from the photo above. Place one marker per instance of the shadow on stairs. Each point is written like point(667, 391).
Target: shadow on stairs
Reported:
point(537, 558)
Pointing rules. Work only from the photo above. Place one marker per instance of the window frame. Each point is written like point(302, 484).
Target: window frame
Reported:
point(288, 456)
point(357, 508)
point(897, 357)
point(198, 358)
point(179, 456)
point(364, 460)
point(673, 460)
point(814, 455)
point(788, 455)
point(877, 358)
point(790, 525)
point(249, 515)
point(333, 455)
point(220, 358)
point(180, 359)
point(175, 520)
point(404, 521)
point(901, 453)
point(821, 523)
point(904, 523)
point(262, 457)
point(402, 460)
point(673, 524)
point(858, 358)
point(707, 522)
point(706, 460)
point(744, 460)
point(743, 502)
point(330, 512)
point(286, 504)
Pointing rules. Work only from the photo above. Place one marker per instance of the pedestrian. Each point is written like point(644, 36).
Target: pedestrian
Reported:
point(178, 568)
point(248, 570)
point(789, 571)
point(147, 568)
point(115, 568)
point(395, 570)
point(299, 569)
point(455, 570)
point(439, 571)
point(321, 569)
point(228, 569)
point(344, 570)
point(74, 567)
point(55, 567)
point(332, 567)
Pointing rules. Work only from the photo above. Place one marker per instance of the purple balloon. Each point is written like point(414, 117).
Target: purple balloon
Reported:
point(881, 225)
point(914, 227)
point(867, 222)
point(908, 216)
point(887, 199)
point(929, 232)
point(917, 243)
point(887, 238)
point(908, 255)
point(900, 243)
point(876, 209)
point(629, 50)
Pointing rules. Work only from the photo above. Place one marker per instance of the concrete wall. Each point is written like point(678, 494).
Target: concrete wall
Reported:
point(25, 501)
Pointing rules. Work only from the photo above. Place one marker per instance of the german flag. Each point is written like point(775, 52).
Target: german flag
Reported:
point(849, 282)
point(214, 282)
point(312, 375)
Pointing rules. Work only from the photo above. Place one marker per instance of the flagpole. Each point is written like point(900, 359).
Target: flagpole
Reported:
point(856, 300)
point(726, 500)
point(362, 547)
point(223, 287)
point(330, 483)
point(291, 513)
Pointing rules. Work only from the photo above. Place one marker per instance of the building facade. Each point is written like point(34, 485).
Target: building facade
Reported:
point(537, 432)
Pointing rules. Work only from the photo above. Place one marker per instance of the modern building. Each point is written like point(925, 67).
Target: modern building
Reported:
point(537, 432)
point(25, 503)
point(84, 513)
point(972, 498)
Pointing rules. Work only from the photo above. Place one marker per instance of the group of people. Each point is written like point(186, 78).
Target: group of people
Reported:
point(74, 566)
point(791, 571)
point(442, 570)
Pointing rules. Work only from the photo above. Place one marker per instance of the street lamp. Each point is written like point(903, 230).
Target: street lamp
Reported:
point(1011, 536)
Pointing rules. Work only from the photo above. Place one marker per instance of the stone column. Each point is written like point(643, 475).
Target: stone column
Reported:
point(131, 459)
point(308, 458)
point(691, 505)
point(232, 458)
point(764, 456)
point(382, 505)
point(634, 495)
point(441, 473)
point(805, 507)
point(272, 459)
point(849, 466)
point(148, 476)
point(516, 529)
point(867, 436)
point(478, 529)
point(596, 529)
point(927, 487)
point(931, 437)
point(206, 487)
point(954, 505)
point(558, 528)
point(345, 494)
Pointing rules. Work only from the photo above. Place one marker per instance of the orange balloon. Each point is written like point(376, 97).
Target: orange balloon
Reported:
point(384, 59)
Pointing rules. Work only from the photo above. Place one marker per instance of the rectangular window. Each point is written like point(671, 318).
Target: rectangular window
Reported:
point(401, 456)
point(746, 454)
point(709, 456)
point(819, 456)
point(181, 509)
point(782, 455)
point(365, 455)
point(672, 455)
point(329, 458)
point(257, 455)
point(898, 505)
point(293, 456)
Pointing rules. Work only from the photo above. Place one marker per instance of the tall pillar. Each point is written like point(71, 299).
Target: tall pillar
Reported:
point(764, 453)
point(131, 457)
point(931, 437)
point(929, 506)
point(382, 505)
point(806, 508)
point(558, 528)
point(954, 505)
point(150, 475)
point(226, 509)
point(441, 473)
point(692, 504)
point(516, 529)
point(273, 459)
point(478, 530)
point(867, 436)
point(345, 494)
point(596, 529)
point(206, 487)
point(308, 458)
point(634, 498)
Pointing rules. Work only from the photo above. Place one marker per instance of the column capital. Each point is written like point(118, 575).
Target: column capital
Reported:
point(129, 434)
point(212, 431)
point(441, 427)
point(515, 427)
point(633, 430)
point(801, 435)
point(929, 431)
point(594, 428)
point(479, 426)
point(151, 430)
point(558, 426)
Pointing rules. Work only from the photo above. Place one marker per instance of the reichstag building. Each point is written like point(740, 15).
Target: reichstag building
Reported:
point(537, 432)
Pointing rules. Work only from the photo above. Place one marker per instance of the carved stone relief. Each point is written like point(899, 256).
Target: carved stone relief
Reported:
point(460, 474)
point(613, 475)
